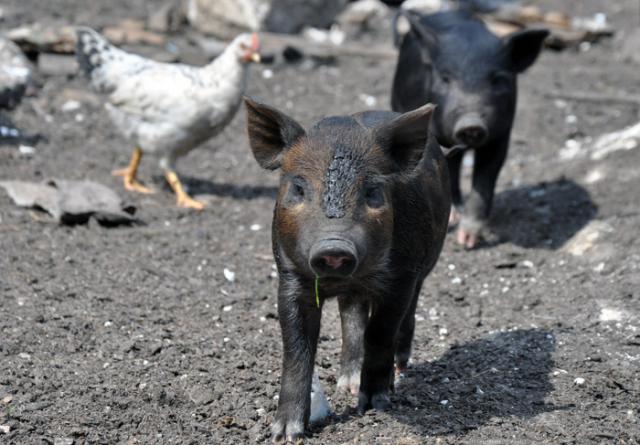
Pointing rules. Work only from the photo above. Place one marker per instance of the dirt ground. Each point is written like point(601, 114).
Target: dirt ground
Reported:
point(133, 335)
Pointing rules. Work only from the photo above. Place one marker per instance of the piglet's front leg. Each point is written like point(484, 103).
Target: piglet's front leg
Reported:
point(487, 164)
point(300, 325)
point(380, 344)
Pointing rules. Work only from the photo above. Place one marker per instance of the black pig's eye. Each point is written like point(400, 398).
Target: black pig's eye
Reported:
point(500, 81)
point(374, 197)
point(445, 77)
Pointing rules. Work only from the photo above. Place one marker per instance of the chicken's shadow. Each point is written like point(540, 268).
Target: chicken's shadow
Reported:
point(503, 375)
point(544, 215)
point(198, 186)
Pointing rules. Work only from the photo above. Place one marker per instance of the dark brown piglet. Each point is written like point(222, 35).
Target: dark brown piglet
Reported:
point(361, 215)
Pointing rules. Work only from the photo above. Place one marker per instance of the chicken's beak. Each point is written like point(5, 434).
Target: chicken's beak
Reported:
point(255, 57)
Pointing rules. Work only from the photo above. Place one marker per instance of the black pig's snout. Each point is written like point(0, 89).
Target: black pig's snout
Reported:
point(471, 131)
point(333, 257)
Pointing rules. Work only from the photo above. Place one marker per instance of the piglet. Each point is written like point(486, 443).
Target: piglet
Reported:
point(452, 59)
point(361, 215)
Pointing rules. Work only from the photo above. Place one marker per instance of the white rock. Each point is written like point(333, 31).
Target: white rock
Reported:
point(227, 308)
point(267, 74)
point(229, 275)
point(594, 176)
point(611, 314)
point(320, 408)
point(424, 6)
point(572, 148)
point(579, 381)
point(71, 105)
point(26, 150)
point(368, 100)
point(625, 139)
point(5, 429)
point(444, 402)
point(585, 240)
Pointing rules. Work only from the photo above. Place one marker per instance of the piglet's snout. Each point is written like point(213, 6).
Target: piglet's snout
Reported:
point(333, 257)
point(471, 130)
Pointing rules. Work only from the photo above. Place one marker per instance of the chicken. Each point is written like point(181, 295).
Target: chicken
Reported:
point(166, 109)
point(16, 74)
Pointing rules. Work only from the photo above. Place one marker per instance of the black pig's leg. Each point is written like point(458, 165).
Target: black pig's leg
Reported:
point(380, 340)
point(354, 313)
point(487, 165)
point(405, 336)
point(300, 324)
point(455, 162)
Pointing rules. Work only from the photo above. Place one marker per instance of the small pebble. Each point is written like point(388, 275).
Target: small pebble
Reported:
point(229, 275)
point(444, 402)
point(5, 429)
point(227, 308)
point(267, 74)
point(579, 381)
point(26, 150)
point(70, 105)
point(255, 227)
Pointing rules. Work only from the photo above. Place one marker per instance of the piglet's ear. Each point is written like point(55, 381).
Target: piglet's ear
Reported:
point(426, 38)
point(523, 47)
point(405, 137)
point(271, 133)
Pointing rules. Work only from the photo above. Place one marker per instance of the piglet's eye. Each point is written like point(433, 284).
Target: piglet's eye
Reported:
point(374, 196)
point(500, 80)
point(297, 190)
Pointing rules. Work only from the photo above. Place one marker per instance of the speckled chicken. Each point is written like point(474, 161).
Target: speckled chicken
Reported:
point(166, 109)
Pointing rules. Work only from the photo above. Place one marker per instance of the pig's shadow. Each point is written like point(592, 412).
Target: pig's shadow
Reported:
point(503, 375)
point(543, 215)
point(197, 186)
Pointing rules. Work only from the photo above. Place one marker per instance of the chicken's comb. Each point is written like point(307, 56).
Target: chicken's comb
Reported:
point(255, 42)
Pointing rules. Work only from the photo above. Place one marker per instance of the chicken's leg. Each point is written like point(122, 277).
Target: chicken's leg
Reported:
point(129, 173)
point(184, 200)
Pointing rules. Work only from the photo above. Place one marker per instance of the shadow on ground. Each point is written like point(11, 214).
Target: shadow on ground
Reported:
point(543, 215)
point(504, 375)
point(198, 186)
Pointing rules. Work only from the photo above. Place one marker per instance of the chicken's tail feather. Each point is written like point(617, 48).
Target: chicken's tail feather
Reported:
point(91, 49)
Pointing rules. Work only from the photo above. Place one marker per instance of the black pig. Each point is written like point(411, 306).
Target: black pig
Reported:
point(362, 213)
point(452, 59)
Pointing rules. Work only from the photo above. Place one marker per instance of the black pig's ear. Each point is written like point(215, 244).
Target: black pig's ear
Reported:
point(523, 47)
point(271, 133)
point(405, 137)
point(427, 39)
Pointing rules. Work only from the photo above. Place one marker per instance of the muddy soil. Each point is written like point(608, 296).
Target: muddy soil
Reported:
point(133, 335)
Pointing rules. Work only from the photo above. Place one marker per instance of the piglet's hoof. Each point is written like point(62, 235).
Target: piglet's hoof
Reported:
point(467, 239)
point(349, 383)
point(290, 432)
point(379, 402)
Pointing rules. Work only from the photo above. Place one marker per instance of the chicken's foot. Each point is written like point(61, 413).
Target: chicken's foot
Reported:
point(183, 199)
point(130, 172)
